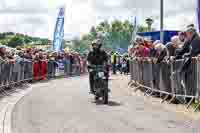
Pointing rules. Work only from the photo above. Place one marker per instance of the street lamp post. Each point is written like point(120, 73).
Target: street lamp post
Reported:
point(149, 22)
point(161, 21)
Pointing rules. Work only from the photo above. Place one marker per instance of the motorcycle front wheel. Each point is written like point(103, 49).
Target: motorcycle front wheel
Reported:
point(105, 97)
point(96, 98)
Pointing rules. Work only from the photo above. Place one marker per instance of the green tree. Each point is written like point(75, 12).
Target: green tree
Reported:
point(4, 42)
point(116, 34)
point(27, 39)
point(2, 36)
point(93, 31)
point(44, 41)
point(80, 45)
point(103, 27)
point(142, 28)
point(15, 41)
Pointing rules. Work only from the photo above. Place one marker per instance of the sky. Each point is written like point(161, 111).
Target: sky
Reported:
point(38, 17)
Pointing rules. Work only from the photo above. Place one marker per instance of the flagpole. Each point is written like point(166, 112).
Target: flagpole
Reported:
point(161, 21)
point(134, 29)
point(198, 14)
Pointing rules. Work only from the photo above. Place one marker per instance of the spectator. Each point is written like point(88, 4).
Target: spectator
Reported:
point(3, 57)
point(67, 64)
point(173, 46)
point(194, 45)
point(132, 49)
point(194, 40)
point(156, 42)
point(114, 62)
point(170, 49)
point(139, 40)
point(153, 51)
point(36, 57)
point(119, 62)
point(71, 58)
point(128, 64)
point(187, 42)
point(161, 52)
point(182, 37)
point(143, 51)
point(10, 56)
point(19, 57)
point(28, 54)
point(40, 56)
point(123, 66)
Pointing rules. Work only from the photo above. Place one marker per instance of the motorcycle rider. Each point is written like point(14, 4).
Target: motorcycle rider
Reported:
point(96, 57)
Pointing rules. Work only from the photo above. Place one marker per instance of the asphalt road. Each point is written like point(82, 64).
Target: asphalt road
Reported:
point(65, 106)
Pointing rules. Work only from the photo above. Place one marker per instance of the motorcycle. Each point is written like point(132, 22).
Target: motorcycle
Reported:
point(100, 82)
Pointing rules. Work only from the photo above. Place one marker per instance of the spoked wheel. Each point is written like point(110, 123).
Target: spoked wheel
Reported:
point(105, 97)
point(105, 92)
point(96, 94)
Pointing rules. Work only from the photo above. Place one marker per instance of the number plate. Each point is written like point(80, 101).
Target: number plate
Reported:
point(101, 74)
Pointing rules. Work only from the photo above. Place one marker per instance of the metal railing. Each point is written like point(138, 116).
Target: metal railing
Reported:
point(26, 70)
point(166, 79)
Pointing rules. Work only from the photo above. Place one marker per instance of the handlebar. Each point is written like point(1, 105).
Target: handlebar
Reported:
point(98, 68)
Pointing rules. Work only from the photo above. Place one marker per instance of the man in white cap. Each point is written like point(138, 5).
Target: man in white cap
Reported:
point(194, 40)
point(191, 46)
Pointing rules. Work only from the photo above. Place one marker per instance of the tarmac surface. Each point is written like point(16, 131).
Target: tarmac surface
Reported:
point(65, 106)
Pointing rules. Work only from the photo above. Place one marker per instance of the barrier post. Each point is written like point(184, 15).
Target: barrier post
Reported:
point(0, 76)
point(198, 82)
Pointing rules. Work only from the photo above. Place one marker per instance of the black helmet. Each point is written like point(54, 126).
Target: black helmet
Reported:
point(97, 42)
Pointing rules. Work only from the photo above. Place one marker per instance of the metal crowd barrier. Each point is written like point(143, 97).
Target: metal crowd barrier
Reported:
point(11, 73)
point(166, 79)
point(26, 70)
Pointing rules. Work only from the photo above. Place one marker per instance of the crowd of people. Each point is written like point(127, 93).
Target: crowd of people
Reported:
point(173, 59)
point(42, 62)
point(120, 63)
point(186, 43)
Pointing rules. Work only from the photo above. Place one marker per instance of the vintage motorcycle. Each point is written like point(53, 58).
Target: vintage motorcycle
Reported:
point(101, 89)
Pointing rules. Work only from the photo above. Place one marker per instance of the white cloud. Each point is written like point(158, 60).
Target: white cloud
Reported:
point(112, 3)
point(38, 17)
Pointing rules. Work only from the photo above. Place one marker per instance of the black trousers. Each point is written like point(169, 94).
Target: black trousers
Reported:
point(114, 68)
point(91, 81)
